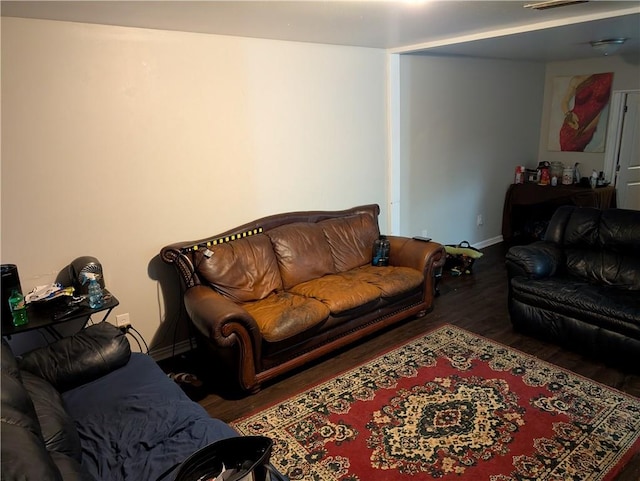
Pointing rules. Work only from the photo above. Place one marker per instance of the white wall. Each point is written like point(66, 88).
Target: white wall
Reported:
point(465, 125)
point(118, 141)
point(626, 76)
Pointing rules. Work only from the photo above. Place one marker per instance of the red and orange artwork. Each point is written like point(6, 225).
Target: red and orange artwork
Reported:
point(580, 107)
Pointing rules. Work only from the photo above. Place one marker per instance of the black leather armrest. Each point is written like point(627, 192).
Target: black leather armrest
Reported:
point(537, 260)
point(76, 360)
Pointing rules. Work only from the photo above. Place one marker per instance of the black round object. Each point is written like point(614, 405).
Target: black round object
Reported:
point(81, 266)
point(239, 455)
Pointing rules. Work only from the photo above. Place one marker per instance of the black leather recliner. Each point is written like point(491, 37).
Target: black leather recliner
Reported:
point(580, 286)
point(86, 408)
point(39, 438)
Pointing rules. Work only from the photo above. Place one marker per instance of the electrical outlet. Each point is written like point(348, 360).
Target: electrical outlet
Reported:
point(479, 220)
point(122, 320)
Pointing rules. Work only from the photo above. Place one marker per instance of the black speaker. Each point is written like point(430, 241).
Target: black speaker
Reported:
point(74, 274)
point(10, 281)
point(81, 266)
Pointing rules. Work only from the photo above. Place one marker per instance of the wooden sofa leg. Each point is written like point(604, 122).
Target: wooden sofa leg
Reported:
point(255, 389)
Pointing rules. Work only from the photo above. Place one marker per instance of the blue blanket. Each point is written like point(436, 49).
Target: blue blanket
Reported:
point(136, 424)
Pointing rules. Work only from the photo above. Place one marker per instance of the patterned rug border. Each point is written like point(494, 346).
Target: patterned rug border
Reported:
point(329, 377)
point(432, 331)
point(471, 346)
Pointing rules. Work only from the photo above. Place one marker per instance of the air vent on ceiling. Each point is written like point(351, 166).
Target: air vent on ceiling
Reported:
point(553, 4)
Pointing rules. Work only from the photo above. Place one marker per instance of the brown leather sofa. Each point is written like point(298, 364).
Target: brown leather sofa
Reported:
point(278, 292)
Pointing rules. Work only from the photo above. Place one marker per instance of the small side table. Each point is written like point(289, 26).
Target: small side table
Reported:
point(42, 317)
point(540, 201)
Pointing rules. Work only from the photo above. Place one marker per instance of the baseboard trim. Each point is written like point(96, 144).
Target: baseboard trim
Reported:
point(488, 242)
point(165, 352)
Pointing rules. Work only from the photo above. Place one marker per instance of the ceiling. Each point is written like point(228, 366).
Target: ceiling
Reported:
point(489, 29)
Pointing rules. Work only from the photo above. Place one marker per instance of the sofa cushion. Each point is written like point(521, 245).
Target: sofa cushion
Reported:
point(390, 280)
point(78, 359)
point(17, 406)
point(8, 361)
point(338, 292)
point(605, 267)
point(58, 430)
point(283, 315)
point(357, 287)
point(620, 228)
point(351, 240)
point(603, 246)
point(302, 252)
point(23, 455)
point(604, 306)
point(244, 270)
point(136, 424)
point(23, 452)
point(582, 228)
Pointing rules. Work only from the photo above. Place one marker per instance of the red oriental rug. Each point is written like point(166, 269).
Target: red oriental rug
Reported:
point(452, 406)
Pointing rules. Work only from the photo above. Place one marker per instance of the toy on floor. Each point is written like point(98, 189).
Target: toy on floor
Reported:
point(185, 378)
point(460, 258)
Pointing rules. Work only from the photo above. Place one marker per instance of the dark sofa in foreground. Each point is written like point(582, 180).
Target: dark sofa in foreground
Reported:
point(580, 286)
point(271, 295)
point(86, 408)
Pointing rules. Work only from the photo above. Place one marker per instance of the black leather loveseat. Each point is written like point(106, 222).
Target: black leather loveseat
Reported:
point(85, 408)
point(580, 285)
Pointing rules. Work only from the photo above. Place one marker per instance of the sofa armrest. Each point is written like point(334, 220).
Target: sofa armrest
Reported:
point(224, 323)
point(81, 358)
point(535, 261)
point(426, 257)
point(419, 255)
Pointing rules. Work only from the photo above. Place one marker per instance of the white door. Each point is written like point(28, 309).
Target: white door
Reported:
point(628, 176)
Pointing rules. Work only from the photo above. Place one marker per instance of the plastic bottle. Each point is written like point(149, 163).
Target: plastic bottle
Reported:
point(95, 294)
point(18, 308)
point(544, 176)
point(381, 252)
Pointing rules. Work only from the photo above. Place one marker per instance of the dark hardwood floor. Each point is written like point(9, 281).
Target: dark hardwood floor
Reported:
point(477, 303)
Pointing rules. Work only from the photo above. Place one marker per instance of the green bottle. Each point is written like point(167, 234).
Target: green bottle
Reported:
point(18, 308)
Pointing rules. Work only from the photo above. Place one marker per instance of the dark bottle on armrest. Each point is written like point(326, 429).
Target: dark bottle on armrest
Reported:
point(381, 252)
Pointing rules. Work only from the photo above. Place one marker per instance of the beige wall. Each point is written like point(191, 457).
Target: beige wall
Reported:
point(626, 76)
point(465, 125)
point(118, 141)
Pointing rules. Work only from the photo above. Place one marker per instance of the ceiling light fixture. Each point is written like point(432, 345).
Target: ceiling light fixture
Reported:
point(608, 46)
point(552, 4)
